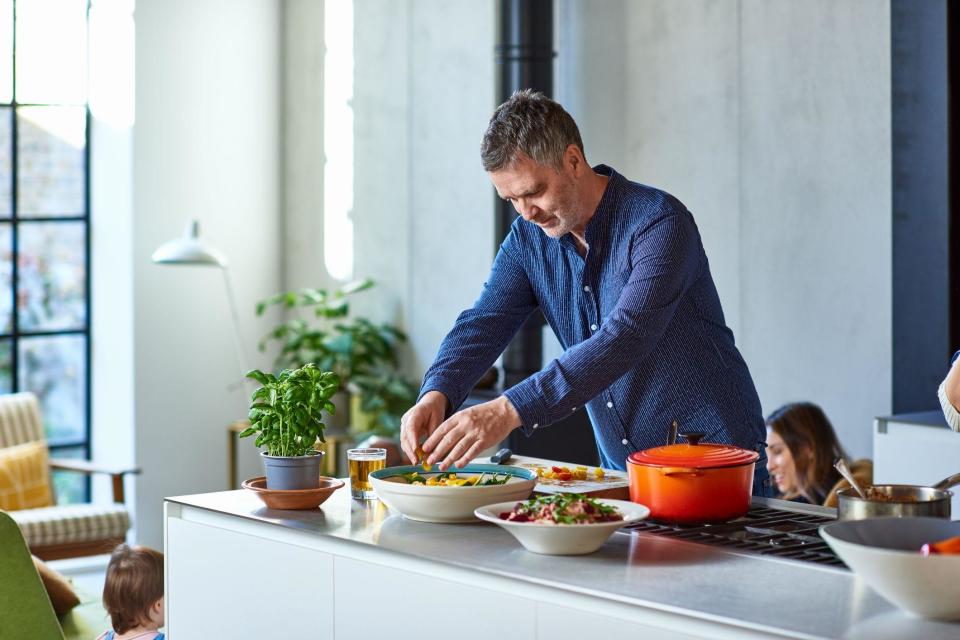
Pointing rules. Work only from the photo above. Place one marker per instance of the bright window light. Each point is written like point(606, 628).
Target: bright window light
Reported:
point(338, 139)
point(112, 63)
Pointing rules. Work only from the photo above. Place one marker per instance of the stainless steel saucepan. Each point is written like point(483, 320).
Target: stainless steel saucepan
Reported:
point(897, 501)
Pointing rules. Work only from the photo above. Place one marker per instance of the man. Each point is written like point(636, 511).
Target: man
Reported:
point(619, 272)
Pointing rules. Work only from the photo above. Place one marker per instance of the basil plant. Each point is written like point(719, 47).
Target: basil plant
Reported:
point(286, 412)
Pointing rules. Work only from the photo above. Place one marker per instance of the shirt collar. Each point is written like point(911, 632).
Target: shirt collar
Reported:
point(598, 223)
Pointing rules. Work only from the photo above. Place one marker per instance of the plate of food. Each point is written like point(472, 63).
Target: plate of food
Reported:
point(563, 523)
point(452, 495)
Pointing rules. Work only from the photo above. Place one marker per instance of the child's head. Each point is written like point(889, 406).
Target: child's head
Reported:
point(133, 589)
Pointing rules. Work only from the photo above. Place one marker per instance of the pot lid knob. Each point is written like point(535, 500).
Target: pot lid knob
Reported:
point(694, 438)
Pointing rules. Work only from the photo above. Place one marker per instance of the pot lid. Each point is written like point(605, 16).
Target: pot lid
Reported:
point(694, 455)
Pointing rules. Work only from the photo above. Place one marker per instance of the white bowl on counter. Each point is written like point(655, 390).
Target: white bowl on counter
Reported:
point(449, 504)
point(563, 539)
point(885, 554)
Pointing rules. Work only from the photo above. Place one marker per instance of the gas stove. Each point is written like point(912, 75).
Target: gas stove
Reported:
point(777, 528)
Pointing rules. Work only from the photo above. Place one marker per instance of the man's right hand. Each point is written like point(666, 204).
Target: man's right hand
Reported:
point(420, 421)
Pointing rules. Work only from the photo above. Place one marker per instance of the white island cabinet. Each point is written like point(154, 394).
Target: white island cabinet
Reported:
point(356, 570)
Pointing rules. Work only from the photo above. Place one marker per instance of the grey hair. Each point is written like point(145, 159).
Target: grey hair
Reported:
point(531, 123)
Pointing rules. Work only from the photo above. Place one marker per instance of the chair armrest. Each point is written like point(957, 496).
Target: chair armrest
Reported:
point(87, 467)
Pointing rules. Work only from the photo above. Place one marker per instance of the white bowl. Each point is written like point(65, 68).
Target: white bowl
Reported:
point(885, 553)
point(564, 539)
point(449, 504)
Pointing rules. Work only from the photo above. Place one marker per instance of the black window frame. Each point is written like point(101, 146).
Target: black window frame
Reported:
point(15, 222)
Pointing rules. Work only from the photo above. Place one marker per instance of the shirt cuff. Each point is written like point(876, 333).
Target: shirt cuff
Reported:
point(949, 411)
point(529, 406)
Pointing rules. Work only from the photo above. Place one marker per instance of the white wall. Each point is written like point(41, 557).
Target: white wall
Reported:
point(423, 92)
point(771, 121)
point(206, 146)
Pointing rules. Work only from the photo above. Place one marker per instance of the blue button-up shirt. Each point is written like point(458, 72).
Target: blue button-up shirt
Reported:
point(643, 332)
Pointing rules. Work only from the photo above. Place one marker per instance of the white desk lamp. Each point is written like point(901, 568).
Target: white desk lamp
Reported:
point(190, 250)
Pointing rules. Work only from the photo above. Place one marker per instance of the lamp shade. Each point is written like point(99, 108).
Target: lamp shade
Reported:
point(189, 249)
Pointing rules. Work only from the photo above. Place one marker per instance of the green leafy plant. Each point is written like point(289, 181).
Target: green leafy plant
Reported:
point(361, 353)
point(331, 341)
point(286, 412)
point(385, 396)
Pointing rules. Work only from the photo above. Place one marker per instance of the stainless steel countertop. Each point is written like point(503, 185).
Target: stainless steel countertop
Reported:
point(780, 596)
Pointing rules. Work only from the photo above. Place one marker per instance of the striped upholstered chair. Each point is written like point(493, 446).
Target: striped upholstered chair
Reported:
point(62, 531)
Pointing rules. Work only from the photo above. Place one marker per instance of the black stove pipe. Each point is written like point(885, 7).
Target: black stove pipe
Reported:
point(524, 56)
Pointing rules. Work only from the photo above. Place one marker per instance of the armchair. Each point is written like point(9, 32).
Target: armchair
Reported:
point(63, 531)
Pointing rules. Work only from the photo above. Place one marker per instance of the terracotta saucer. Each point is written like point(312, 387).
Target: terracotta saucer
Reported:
point(295, 498)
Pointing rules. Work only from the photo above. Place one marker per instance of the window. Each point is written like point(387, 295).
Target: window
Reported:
point(44, 220)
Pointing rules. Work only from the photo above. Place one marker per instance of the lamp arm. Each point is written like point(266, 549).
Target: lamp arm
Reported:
point(235, 317)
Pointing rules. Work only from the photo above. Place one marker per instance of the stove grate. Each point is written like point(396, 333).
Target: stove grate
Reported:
point(763, 531)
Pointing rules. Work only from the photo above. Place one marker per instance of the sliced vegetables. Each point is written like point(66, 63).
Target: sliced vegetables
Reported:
point(562, 508)
point(450, 479)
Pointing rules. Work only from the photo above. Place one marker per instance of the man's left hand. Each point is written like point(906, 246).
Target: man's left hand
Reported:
point(466, 433)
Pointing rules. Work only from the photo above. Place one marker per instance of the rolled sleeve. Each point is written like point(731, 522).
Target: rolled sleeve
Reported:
point(482, 332)
point(949, 411)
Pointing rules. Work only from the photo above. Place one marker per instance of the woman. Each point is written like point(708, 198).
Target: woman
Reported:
point(801, 449)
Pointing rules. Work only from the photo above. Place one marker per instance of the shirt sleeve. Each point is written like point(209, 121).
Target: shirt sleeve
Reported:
point(949, 411)
point(665, 261)
point(482, 332)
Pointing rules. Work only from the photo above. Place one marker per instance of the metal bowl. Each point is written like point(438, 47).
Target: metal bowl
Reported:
point(897, 501)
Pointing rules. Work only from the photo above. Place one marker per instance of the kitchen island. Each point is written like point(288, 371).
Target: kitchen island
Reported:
point(354, 569)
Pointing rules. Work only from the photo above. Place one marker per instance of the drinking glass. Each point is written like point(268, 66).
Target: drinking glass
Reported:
point(362, 462)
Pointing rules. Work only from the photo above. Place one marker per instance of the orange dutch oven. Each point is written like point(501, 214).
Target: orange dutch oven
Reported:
point(694, 482)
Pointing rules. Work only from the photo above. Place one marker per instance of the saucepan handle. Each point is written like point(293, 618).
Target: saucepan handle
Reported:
point(946, 483)
point(681, 471)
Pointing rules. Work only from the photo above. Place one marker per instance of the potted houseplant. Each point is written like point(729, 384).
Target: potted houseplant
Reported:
point(361, 353)
point(286, 413)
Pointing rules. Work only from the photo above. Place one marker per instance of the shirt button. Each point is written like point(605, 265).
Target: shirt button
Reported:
point(536, 425)
point(586, 288)
point(609, 405)
point(625, 441)
point(573, 409)
point(593, 327)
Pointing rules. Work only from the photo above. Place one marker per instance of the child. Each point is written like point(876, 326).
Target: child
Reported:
point(133, 594)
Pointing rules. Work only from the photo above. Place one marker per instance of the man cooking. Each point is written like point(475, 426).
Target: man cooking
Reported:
point(620, 273)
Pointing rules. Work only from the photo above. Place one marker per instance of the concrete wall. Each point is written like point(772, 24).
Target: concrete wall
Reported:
point(771, 121)
point(206, 146)
point(423, 92)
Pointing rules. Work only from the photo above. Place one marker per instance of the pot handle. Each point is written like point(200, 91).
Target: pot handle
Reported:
point(681, 471)
point(946, 483)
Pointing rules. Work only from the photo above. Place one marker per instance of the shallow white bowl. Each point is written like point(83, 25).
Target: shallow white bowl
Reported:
point(563, 539)
point(449, 504)
point(885, 553)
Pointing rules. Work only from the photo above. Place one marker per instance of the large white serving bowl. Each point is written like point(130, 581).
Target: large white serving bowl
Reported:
point(449, 504)
point(885, 553)
point(564, 539)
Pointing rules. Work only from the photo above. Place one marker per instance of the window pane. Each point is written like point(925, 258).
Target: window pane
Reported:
point(51, 281)
point(6, 278)
point(50, 161)
point(6, 174)
point(6, 50)
point(69, 486)
point(51, 51)
point(53, 368)
point(6, 366)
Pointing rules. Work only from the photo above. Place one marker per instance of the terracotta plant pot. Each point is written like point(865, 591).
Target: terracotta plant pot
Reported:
point(298, 499)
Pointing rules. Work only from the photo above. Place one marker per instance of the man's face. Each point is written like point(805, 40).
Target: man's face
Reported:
point(540, 194)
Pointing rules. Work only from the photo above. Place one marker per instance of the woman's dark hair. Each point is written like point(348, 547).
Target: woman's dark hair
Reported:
point(134, 581)
point(805, 429)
